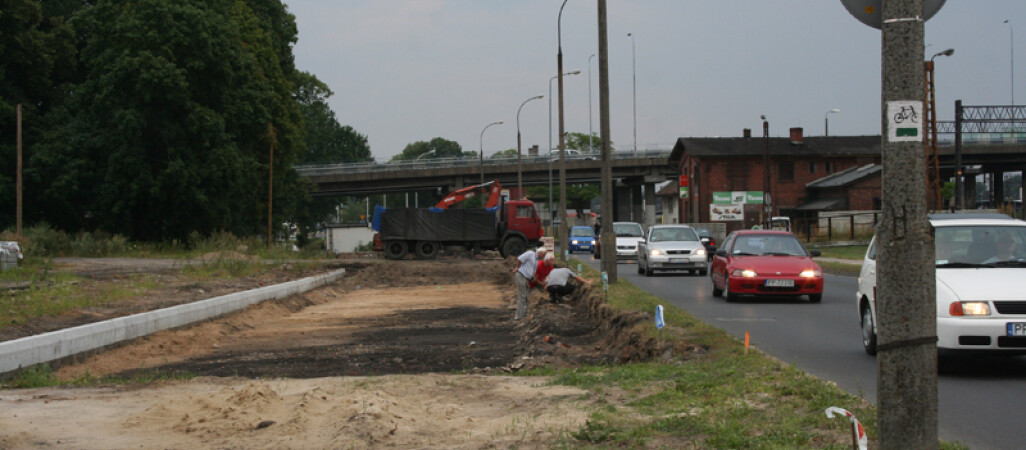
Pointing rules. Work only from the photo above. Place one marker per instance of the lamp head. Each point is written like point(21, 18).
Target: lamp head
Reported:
point(835, 110)
point(763, 117)
point(630, 35)
point(573, 72)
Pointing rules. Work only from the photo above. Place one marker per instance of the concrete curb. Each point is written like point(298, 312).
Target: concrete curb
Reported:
point(59, 344)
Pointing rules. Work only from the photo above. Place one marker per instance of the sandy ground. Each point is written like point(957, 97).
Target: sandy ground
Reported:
point(301, 364)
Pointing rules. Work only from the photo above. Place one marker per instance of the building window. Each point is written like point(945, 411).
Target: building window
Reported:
point(785, 171)
point(877, 204)
point(812, 167)
point(829, 166)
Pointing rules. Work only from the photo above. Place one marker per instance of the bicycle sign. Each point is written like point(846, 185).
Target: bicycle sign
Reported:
point(904, 122)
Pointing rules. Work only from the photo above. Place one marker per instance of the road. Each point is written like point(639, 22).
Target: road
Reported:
point(980, 402)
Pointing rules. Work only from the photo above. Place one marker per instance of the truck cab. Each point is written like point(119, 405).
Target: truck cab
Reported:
point(523, 227)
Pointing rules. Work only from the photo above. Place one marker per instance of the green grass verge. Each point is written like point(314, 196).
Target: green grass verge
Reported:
point(719, 398)
point(42, 375)
point(856, 252)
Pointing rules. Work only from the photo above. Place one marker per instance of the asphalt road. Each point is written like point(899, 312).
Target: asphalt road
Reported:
point(980, 400)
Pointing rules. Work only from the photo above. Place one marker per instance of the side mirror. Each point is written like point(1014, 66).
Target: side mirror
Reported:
point(721, 253)
point(815, 252)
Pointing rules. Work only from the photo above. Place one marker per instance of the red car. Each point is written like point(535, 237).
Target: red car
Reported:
point(765, 263)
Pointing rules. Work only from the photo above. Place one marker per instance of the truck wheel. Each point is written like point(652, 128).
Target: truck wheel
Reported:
point(513, 246)
point(427, 249)
point(396, 249)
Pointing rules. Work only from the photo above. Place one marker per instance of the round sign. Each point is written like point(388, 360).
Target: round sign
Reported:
point(868, 11)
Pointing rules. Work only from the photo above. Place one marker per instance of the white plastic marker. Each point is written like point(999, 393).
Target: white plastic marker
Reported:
point(859, 440)
point(659, 317)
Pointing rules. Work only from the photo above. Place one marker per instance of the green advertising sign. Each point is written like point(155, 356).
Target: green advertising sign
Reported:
point(754, 197)
point(683, 192)
point(721, 198)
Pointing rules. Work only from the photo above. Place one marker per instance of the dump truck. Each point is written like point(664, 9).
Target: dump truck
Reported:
point(509, 226)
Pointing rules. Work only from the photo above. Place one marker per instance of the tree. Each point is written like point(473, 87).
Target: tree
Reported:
point(442, 148)
point(505, 153)
point(579, 141)
point(326, 141)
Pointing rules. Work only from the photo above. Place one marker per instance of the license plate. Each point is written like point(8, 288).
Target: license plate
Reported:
point(779, 283)
point(678, 260)
point(1017, 329)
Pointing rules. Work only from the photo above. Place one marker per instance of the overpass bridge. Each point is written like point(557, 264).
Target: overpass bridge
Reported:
point(631, 171)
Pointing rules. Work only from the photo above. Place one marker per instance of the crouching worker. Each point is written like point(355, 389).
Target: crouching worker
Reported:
point(558, 283)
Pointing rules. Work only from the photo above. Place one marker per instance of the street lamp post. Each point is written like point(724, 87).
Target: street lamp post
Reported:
point(634, 79)
point(591, 147)
point(481, 147)
point(826, 121)
point(1011, 58)
point(932, 162)
point(520, 179)
point(766, 196)
point(552, 210)
point(562, 138)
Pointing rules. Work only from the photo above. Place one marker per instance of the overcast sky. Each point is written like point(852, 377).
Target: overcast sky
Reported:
point(412, 70)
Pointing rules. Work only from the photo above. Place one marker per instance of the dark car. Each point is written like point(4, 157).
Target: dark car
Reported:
point(708, 240)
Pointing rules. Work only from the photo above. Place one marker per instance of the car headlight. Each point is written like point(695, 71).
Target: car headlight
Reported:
point(574, 242)
point(744, 273)
point(810, 273)
point(969, 309)
point(700, 252)
point(655, 252)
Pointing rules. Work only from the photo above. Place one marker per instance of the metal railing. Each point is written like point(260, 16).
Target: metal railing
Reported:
point(371, 166)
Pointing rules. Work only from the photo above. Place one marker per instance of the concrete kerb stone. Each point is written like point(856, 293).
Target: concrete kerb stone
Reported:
point(59, 344)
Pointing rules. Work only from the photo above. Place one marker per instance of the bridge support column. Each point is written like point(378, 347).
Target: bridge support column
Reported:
point(637, 206)
point(650, 204)
point(622, 203)
point(998, 185)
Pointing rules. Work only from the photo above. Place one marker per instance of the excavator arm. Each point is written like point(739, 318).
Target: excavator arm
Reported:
point(493, 188)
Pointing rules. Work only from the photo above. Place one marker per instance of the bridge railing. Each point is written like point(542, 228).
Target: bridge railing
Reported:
point(371, 166)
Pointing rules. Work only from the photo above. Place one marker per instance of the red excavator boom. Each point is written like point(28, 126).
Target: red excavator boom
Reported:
point(492, 187)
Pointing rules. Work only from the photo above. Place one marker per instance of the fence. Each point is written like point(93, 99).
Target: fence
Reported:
point(842, 225)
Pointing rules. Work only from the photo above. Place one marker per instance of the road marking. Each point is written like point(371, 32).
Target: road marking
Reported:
point(734, 319)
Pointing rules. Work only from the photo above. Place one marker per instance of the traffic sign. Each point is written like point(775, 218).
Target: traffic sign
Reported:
point(868, 11)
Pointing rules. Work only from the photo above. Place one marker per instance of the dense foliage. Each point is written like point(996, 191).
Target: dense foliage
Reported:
point(435, 148)
point(155, 119)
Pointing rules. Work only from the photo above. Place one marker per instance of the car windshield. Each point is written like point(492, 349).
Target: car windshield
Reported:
point(627, 230)
point(768, 244)
point(980, 246)
point(583, 232)
point(665, 234)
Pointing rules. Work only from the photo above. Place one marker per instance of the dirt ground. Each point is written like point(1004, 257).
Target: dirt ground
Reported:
point(294, 373)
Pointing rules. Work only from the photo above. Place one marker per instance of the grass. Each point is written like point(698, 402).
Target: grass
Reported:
point(855, 252)
point(40, 376)
point(720, 398)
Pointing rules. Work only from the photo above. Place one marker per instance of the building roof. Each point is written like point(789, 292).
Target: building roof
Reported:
point(822, 205)
point(778, 146)
point(670, 190)
point(845, 177)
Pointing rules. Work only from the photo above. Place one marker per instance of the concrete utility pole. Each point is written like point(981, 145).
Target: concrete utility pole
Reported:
point(608, 238)
point(271, 136)
point(906, 298)
point(17, 228)
point(562, 140)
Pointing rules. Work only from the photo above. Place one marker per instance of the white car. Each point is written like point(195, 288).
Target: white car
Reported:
point(672, 247)
point(981, 285)
point(628, 234)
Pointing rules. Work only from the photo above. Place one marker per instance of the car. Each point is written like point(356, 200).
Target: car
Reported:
point(628, 234)
point(708, 240)
point(582, 239)
point(672, 247)
point(765, 263)
point(980, 262)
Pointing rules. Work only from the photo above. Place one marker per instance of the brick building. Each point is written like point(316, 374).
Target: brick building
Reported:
point(797, 163)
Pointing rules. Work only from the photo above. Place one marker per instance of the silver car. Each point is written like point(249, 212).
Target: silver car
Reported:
point(672, 247)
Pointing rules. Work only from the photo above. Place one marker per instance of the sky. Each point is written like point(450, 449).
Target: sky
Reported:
point(411, 70)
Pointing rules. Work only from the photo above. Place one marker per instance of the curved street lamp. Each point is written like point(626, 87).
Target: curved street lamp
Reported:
point(481, 147)
point(826, 121)
point(520, 179)
point(549, 156)
point(634, 79)
point(1011, 58)
point(425, 154)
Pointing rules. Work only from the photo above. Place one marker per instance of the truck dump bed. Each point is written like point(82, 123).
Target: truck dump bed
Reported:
point(447, 225)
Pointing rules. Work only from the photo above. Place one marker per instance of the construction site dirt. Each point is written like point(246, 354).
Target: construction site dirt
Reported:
point(433, 324)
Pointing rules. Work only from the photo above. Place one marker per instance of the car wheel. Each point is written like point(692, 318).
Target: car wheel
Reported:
point(648, 271)
point(726, 291)
point(427, 249)
point(868, 335)
point(641, 270)
point(396, 249)
point(815, 298)
point(703, 272)
point(716, 292)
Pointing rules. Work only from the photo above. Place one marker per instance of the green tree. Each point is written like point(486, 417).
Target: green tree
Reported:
point(505, 153)
point(442, 148)
point(580, 141)
point(326, 141)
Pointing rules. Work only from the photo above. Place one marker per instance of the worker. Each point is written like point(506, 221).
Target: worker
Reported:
point(558, 286)
point(524, 272)
point(545, 263)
